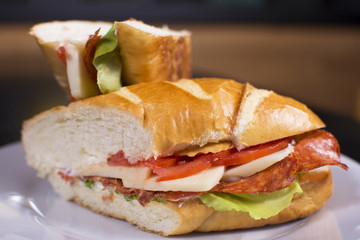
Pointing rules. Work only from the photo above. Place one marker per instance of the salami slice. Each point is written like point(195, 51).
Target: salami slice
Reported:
point(312, 150)
point(280, 175)
point(315, 149)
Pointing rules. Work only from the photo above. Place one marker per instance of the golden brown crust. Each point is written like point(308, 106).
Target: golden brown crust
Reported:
point(315, 194)
point(151, 57)
point(278, 116)
point(209, 107)
point(193, 113)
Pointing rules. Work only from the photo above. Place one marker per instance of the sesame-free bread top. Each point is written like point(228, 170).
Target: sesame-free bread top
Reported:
point(162, 118)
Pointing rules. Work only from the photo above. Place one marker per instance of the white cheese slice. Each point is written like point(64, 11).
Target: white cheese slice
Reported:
point(256, 165)
point(81, 85)
point(142, 178)
point(139, 174)
point(202, 181)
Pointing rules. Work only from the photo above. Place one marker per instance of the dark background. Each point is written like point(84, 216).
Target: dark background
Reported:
point(23, 94)
point(274, 11)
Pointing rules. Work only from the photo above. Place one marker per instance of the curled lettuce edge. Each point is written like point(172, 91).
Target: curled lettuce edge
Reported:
point(107, 62)
point(259, 206)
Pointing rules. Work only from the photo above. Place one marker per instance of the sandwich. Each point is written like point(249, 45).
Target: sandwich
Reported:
point(202, 154)
point(89, 58)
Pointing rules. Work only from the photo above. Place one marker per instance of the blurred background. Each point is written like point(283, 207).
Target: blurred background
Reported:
point(306, 49)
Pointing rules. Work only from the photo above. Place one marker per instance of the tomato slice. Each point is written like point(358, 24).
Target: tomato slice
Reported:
point(61, 54)
point(249, 154)
point(183, 170)
point(162, 162)
point(118, 159)
point(174, 167)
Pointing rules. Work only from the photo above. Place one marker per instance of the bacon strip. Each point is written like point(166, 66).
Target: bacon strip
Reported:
point(89, 52)
point(144, 196)
point(280, 175)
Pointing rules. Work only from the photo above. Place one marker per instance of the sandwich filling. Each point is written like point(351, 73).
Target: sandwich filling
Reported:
point(258, 177)
point(94, 65)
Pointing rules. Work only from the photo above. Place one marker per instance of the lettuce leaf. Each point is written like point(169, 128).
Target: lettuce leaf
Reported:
point(160, 200)
point(128, 199)
point(107, 62)
point(89, 184)
point(261, 205)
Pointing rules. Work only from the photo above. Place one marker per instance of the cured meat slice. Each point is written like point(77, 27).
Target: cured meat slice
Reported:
point(143, 196)
point(315, 149)
point(312, 150)
point(89, 52)
point(280, 175)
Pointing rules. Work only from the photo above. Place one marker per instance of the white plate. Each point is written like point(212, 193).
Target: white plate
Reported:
point(29, 209)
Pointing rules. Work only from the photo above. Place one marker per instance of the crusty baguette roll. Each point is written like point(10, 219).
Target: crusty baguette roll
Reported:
point(190, 115)
point(158, 119)
point(175, 218)
point(148, 53)
point(153, 54)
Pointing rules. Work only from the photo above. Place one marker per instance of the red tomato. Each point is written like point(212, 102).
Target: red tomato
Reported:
point(183, 170)
point(61, 54)
point(174, 167)
point(214, 157)
point(254, 152)
point(161, 162)
point(118, 159)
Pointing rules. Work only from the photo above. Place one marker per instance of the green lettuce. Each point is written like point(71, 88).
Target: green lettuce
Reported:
point(107, 62)
point(261, 205)
point(128, 199)
point(89, 184)
point(160, 200)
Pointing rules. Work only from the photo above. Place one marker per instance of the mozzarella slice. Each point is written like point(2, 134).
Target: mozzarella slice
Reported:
point(256, 165)
point(142, 178)
point(139, 174)
point(81, 85)
point(202, 181)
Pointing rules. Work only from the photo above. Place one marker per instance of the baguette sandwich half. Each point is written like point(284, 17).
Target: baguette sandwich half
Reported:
point(202, 154)
point(93, 57)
